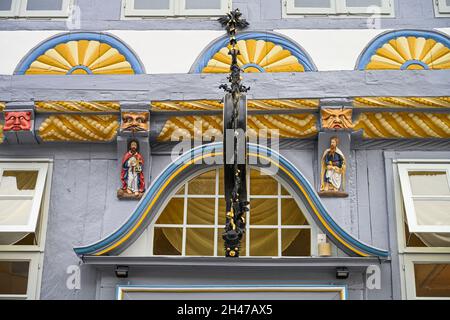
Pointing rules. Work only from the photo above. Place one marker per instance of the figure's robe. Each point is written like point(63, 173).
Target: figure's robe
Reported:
point(333, 176)
point(139, 183)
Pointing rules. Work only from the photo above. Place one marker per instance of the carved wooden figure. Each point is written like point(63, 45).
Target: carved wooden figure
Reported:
point(333, 167)
point(135, 122)
point(337, 119)
point(17, 121)
point(132, 173)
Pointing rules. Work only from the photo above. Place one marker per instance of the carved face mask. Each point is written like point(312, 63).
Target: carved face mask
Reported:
point(132, 121)
point(17, 121)
point(337, 118)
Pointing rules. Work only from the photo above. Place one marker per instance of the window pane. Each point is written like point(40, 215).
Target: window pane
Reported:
point(172, 213)
point(200, 211)
point(312, 3)
point(432, 213)
point(221, 212)
point(44, 4)
point(432, 280)
point(199, 242)
point(203, 184)
point(447, 2)
point(15, 212)
point(203, 4)
point(263, 212)
point(221, 245)
point(152, 4)
point(296, 242)
point(364, 3)
point(263, 242)
point(5, 5)
point(18, 182)
point(180, 191)
point(221, 182)
point(261, 184)
point(284, 192)
point(13, 277)
point(291, 213)
point(167, 241)
point(429, 183)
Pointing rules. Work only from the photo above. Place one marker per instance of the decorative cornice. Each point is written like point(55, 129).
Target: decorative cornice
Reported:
point(384, 125)
point(77, 106)
point(289, 126)
point(401, 102)
point(79, 128)
point(202, 105)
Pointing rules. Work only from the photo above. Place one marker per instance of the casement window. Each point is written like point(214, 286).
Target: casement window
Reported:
point(426, 196)
point(34, 8)
point(442, 8)
point(174, 8)
point(193, 220)
point(338, 7)
point(423, 223)
point(24, 200)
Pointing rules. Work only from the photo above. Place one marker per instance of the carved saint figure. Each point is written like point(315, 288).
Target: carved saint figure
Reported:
point(17, 121)
point(333, 168)
point(337, 118)
point(132, 175)
point(135, 122)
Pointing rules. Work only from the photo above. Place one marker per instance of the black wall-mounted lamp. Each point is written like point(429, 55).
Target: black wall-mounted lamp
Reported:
point(342, 273)
point(121, 271)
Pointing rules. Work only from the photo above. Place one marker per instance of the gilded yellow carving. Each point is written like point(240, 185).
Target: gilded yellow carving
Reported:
point(401, 102)
point(289, 126)
point(252, 105)
point(79, 128)
point(337, 118)
point(76, 106)
point(404, 125)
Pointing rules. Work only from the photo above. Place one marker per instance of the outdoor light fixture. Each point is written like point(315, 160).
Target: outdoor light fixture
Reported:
point(121, 271)
point(342, 273)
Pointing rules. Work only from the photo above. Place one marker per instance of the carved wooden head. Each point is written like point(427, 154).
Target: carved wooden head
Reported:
point(337, 118)
point(135, 121)
point(17, 121)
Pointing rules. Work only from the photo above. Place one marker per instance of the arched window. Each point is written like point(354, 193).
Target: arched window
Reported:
point(192, 222)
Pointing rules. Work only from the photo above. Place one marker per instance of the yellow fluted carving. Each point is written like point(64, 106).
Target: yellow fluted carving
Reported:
point(79, 128)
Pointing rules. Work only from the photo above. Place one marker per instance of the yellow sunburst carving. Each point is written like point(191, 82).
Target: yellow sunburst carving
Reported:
point(81, 57)
point(79, 128)
point(256, 56)
point(403, 125)
point(412, 53)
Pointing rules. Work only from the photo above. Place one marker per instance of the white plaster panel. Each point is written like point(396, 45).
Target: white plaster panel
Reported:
point(333, 50)
point(16, 44)
point(166, 51)
point(444, 30)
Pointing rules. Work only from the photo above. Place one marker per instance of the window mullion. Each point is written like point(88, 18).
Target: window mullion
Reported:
point(340, 7)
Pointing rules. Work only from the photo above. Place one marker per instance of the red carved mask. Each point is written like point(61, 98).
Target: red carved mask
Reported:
point(17, 121)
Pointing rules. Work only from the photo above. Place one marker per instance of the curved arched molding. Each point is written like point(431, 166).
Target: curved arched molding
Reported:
point(295, 49)
point(64, 38)
point(178, 172)
point(384, 38)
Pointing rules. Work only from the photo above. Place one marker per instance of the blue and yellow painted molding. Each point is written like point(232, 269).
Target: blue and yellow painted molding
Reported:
point(81, 53)
point(407, 50)
point(155, 196)
point(260, 52)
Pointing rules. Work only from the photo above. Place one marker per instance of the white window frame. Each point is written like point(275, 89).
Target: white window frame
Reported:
point(15, 4)
point(176, 9)
point(409, 281)
point(42, 169)
point(34, 273)
point(64, 12)
point(337, 8)
point(408, 197)
point(19, 10)
point(32, 253)
point(441, 9)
